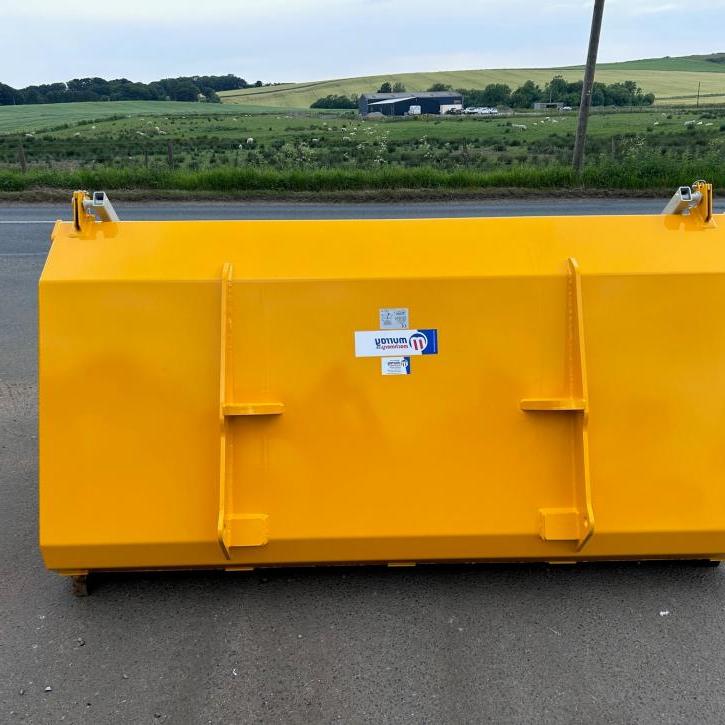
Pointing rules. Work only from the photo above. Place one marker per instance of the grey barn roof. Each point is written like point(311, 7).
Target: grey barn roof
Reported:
point(392, 100)
point(408, 94)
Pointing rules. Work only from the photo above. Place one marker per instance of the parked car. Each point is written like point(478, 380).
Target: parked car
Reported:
point(480, 110)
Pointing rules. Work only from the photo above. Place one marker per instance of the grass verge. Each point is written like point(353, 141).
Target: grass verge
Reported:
point(655, 174)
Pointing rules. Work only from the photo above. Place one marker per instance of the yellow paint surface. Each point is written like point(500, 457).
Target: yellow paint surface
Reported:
point(201, 404)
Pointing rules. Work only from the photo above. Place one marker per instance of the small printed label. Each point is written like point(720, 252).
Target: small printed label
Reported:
point(383, 343)
point(395, 365)
point(394, 318)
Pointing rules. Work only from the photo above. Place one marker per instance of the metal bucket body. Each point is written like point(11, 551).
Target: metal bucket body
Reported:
point(205, 400)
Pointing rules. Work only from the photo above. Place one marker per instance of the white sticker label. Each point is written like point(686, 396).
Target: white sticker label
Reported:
point(389, 343)
point(393, 318)
point(395, 365)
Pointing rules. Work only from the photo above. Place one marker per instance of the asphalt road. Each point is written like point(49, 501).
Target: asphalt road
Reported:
point(452, 644)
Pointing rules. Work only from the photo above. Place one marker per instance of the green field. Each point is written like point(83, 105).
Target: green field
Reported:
point(267, 139)
point(664, 77)
point(334, 138)
point(34, 117)
point(221, 148)
point(691, 63)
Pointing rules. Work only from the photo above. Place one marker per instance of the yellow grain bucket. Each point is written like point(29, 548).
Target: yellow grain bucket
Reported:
point(240, 393)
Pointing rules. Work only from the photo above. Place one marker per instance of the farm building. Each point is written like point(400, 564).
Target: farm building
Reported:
point(413, 103)
point(548, 105)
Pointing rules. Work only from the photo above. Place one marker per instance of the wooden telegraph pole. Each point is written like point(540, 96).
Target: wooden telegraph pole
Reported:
point(586, 102)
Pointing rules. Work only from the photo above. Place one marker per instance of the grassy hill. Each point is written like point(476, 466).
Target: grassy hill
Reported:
point(46, 115)
point(712, 63)
point(665, 77)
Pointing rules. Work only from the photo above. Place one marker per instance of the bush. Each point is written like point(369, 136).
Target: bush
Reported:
point(335, 101)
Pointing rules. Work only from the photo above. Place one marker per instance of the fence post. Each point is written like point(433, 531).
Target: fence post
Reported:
point(21, 158)
point(170, 154)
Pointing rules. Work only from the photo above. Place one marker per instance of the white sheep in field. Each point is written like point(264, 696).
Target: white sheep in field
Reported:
point(250, 141)
point(522, 126)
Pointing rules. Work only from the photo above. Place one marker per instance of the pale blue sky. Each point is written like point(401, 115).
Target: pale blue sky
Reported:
point(299, 40)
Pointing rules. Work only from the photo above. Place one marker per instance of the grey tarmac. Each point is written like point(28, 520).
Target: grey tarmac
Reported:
point(615, 643)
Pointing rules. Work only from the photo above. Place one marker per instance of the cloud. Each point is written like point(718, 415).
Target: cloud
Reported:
point(627, 8)
point(301, 40)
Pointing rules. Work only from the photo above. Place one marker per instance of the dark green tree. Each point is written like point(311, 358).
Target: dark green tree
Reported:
point(599, 95)
point(526, 95)
point(333, 101)
point(7, 95)
point(122, 89)
point(557, 89)
point(496, 94)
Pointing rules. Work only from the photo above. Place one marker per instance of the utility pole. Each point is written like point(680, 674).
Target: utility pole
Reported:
point(586, 101)
point(698, 94)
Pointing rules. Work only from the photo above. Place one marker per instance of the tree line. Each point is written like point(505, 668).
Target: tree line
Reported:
point(184, 88)
point(558, 89)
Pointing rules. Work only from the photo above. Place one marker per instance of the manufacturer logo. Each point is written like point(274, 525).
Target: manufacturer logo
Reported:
point(375, 343)
point(418, 341)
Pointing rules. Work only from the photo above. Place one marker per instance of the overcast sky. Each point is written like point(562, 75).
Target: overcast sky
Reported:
point(298, 40)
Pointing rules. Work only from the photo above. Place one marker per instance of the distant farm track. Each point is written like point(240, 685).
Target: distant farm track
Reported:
point(665, 77)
